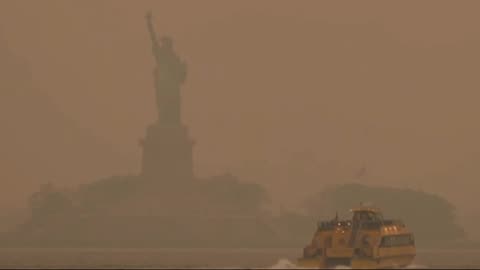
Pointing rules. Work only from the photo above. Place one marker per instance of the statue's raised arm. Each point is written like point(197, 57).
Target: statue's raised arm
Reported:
point(151, 30)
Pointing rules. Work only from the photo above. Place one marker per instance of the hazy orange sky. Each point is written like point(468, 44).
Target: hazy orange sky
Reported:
point(291, 94)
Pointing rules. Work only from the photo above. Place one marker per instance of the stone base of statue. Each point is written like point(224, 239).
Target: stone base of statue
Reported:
point(167, 153)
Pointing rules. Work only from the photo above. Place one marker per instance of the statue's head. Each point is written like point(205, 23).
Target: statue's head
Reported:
point(167, 41)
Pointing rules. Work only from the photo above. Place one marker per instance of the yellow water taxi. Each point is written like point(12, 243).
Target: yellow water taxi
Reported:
point(366, 241)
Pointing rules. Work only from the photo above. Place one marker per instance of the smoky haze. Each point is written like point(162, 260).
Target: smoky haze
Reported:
point(290, 95)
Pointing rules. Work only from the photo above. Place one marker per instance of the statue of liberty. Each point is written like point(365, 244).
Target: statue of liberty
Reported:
point(167, 148)
point(169, 73)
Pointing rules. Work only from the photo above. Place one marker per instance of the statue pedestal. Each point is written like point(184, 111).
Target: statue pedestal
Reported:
point(167, 153)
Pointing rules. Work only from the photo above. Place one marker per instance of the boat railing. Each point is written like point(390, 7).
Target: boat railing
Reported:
point(332, 224)
point(393, 222)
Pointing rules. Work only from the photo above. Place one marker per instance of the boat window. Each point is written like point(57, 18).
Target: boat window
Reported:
point(397, 240)
point(378, 217)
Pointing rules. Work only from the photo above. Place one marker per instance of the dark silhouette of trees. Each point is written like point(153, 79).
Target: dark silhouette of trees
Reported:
point(49, 203)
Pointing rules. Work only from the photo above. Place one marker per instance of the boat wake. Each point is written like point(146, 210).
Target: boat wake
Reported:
point(416, 266)
point(287, 264)
point(284, 264)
